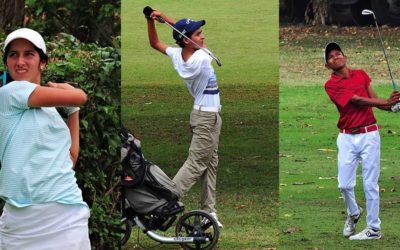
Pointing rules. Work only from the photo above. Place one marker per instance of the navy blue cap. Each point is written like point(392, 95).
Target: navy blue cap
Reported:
point(186, 26)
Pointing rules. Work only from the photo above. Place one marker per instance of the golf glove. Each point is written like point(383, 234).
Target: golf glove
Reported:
point(71, 110)
point(395, 108)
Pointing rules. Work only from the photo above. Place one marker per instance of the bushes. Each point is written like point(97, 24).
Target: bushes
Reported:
point(96, 70)
point(90, 20)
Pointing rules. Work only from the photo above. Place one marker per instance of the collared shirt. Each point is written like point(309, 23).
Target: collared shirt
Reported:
point(199, 76)
point(34, 151)
point(340, 90)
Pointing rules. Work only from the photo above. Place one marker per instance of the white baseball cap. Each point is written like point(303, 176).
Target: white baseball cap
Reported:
point(24, 33)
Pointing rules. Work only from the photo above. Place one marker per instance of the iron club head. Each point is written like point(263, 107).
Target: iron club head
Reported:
point(370, 12)
point(366, 12)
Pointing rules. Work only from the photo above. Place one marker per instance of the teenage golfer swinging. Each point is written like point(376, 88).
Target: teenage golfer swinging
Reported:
point(351, 91)
point(194, 66)
point(44, 206)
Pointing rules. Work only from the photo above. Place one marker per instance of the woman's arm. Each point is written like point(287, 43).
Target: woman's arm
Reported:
point(56, 95)
point(73, 125)
point(62, 94)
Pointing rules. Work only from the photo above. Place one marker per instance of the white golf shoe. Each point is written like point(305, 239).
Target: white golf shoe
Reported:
point(367, 234)
point(350, 224)
point(214, 215)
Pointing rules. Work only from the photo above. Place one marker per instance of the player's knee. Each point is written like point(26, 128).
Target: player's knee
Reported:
point(346, 188)
point(371, 191)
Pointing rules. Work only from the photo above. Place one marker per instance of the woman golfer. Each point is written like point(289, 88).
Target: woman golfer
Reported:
point(44, 207)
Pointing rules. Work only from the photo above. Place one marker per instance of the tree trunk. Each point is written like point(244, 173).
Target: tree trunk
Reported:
point(11, 14)
point(317, 12)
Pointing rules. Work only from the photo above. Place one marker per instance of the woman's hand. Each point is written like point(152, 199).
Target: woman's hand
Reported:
point(60, 85)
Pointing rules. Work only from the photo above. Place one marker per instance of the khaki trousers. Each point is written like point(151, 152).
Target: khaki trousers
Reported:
point(202, 160)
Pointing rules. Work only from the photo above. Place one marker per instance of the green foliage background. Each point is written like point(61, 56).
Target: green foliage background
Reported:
point(90, 20)
point(95, 67)
point(97, 71)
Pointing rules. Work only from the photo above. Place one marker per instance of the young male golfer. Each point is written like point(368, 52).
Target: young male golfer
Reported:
point(351, 91)
point(194, 66)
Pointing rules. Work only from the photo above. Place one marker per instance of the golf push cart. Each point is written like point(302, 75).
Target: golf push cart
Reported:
point(150, 201)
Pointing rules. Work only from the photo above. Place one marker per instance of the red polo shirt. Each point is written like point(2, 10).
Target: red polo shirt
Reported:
point(340, 90)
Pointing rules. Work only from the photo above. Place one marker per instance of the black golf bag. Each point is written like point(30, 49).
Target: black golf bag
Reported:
point(150, 201)
point(147, 190)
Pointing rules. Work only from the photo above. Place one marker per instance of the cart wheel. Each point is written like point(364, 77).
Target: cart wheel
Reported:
point(126, 230)
point(198, 224)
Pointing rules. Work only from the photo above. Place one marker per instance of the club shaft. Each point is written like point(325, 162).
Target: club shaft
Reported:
point(384, 52)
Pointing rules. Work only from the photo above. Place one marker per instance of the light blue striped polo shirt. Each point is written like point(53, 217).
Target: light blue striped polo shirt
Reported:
point(34, 151)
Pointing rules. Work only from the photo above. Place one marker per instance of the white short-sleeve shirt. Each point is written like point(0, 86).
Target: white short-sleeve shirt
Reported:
point(199, 76)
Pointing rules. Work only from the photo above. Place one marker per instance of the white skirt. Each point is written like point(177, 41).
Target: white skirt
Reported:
point(45, 227)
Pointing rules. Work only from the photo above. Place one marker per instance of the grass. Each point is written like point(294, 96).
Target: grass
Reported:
point(311, 212)
point(156, 106)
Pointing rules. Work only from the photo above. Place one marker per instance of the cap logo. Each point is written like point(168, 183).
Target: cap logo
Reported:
point(188, 21)
point(183, 33)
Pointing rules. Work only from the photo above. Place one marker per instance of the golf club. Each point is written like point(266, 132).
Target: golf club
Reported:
point(370, 12)
point(147, 12)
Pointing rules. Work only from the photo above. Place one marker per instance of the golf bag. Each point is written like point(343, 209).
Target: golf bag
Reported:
point(150, 201)
point(146, 188)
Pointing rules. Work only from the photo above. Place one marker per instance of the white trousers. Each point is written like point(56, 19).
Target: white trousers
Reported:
point(49, 226)
point(352, 149)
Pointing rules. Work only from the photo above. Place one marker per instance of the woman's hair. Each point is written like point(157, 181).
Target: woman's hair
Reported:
point(42, 55)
